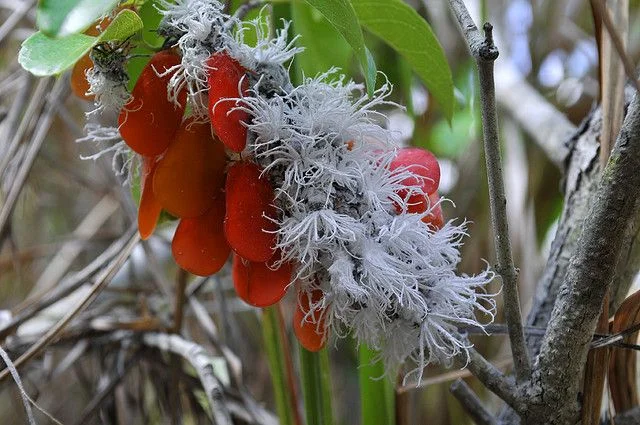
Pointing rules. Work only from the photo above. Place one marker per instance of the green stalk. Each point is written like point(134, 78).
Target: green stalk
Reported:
point(316, 387)
point(376, 391)
point(273, 339)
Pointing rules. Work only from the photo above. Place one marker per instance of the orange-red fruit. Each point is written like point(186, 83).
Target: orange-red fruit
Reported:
point(425, 166)
point(149, 209)
point(199, 245)
point(257, 284)
point(149, 121)
point(79, 83)
point(311, 333)
point(435, 219)
point(249, 203)
point(190, 175)
point(224, 75)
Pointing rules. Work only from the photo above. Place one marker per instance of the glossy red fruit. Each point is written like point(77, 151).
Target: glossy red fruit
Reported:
point(249, 203)
point(310, 332)
point(191, 173)
point(425, 166)
point(257, 284)
point(199, 245)
point(149, 209)
point(435, 219)
point(225, 74)
point(149, 121)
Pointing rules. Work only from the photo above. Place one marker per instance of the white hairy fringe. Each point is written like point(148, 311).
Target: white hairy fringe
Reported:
point(388, 279)
point(124, 162)
point(269, 54)
point(197, 25)
point(109, 95)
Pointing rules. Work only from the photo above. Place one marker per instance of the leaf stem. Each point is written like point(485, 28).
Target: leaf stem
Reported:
point(316, 387)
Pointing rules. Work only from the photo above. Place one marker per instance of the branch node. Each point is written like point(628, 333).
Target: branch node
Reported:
point(488, 50)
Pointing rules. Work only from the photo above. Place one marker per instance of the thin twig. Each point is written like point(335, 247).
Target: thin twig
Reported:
point(485, 53)
point(63, 288)
point(494, 380)
point(617, 42)
point(101, 281)
point(178, 308)
point(200, 359)
point(472, 404)
point(41, 131)
point(99, 398)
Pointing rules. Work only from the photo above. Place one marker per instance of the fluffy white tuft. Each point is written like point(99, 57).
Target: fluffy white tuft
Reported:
point(387, 278)
point(196, 25)
point(107, 140)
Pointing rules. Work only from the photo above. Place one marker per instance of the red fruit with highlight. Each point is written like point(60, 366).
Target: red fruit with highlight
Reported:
point(225, 75)
point(199, 245)
point(249, 203)
point(425, 166)
point(310, 332)
point(149, 209)
point(149, 121)
point(190, 175)
point(257, 284)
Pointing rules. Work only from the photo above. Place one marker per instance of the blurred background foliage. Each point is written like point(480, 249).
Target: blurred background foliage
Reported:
point(69, 211)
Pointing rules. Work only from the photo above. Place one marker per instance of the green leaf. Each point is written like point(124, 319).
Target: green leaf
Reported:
point(316, 386)
point(376, 392)
point(123, 26)
point(151, 18)
point(273, 335)
point(323, 46)
point(342, 16)
point(60, 18)
point(400, 26)
point(42, 55)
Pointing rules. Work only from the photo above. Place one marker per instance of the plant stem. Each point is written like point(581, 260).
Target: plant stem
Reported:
point(376, 392)
point(485, 53)
point(316, 387)
point(273, 339)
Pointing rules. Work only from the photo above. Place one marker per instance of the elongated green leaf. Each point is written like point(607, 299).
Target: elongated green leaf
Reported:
point(342, 16)
point(42, 55)
point(316, 387)
point(273, 337)
point(400, 26)
point(376, 392)
point(60, 18)
point(323, 46)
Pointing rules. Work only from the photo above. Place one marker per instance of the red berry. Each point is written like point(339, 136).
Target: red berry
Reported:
point(434, 219)
point(257, 284)
point(425, 166)
point(249, 203)
point(191, 173)
point(310, 332)
point(149, 121)
point(199, 245)
point(149, 209)
point(224, 75)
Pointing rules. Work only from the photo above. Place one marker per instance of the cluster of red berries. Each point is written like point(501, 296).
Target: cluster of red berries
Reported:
point(226, 206)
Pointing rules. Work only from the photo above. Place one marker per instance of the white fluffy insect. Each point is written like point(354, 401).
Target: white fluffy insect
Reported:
point(387, 278)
